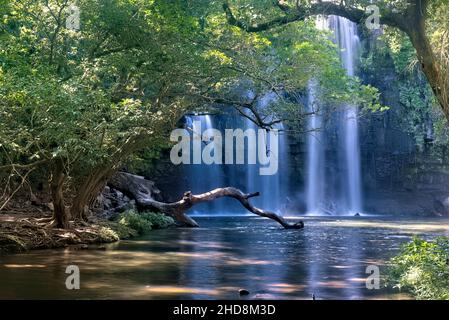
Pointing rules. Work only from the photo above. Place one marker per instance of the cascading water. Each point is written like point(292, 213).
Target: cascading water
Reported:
point(321, 197)
point(350, 198)
point(273, 188)
point(202, 177)
point(315, 156)
point(348, 41)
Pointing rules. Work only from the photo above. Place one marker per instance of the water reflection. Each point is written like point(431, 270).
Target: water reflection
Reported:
point(328, 259)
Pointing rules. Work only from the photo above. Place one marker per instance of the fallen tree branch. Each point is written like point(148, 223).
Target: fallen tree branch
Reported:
point(141, 190)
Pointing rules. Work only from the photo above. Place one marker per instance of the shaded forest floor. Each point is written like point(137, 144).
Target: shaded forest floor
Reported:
point(24, 230)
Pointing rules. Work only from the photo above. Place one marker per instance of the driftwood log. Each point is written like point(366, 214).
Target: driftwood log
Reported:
point(142, 191)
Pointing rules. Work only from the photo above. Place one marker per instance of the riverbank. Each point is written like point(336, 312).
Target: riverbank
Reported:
point(27, 230)
point(24, 231)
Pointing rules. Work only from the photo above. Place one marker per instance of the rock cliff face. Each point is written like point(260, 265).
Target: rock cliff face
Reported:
point(400, 176)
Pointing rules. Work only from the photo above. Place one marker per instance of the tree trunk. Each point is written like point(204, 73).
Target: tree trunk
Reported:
point(95, 182)
point(88, 191)
point(141, 190)
point(429, 63)
point(60, 216)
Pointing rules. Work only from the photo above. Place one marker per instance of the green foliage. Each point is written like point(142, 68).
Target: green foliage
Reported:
point(415, 93)
point(421, 116)
point(422, 268)
point(115, 231)
point(158, 220)
point(144, 161)
point(144, 222)
point(135, 221)
point(88, 97)
point(285, 58)
point(107, 234)
point(93, 99)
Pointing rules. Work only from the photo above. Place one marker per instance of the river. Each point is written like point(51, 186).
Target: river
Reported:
point(327, 259)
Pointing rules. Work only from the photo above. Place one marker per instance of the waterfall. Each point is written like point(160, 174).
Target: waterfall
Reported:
point(348, 42)
point(201, 177)
point(315, 156)
point(332, 185)
point(348, 169)
point(273, 189)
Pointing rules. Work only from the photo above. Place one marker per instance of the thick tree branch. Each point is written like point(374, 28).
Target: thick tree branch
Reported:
point(141, 190)
point(232, 20)
point(240, 107)
point(283, 6)
point(299, 13)
point(15, 166)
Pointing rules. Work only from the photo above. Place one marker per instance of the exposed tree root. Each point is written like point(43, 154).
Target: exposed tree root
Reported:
point(20, 234)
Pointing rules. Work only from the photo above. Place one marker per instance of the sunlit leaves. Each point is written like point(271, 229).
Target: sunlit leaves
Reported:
point(217, 55)
point(121, 83)
point(422, 268)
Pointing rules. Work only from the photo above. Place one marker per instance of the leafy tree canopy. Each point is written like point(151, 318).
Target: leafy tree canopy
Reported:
point(90, 98)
